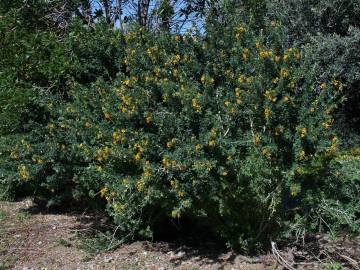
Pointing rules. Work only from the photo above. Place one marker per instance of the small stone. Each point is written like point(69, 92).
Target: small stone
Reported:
point(39, 243)
point(54, 227)
point(145, 253)
point(180, 254)
point(108, 259)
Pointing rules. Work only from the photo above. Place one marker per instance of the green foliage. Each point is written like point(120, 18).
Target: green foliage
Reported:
point(232, 128)
point(330, 31)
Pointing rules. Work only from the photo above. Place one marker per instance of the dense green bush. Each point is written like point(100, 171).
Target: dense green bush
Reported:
point(232, 128)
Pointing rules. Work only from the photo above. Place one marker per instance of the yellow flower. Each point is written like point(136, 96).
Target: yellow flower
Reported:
point(302, 155)
point(225, 173)
point(177, 38)
point(265, 152)
point(103, 192)
point(137, 157)
point(284, 73)
point(211, 143)
point(165, 98)
point(275, 80)
point(166, 162)
point(171, 143)
point(14, 155)
point(148, 119)
point(286, 57)
point(176, 213)
point(277, 58)
point(286, 98)
point(140, 185)
point(322, 86)
point(267, 113)
point(195, 105)
point(107, 116)
point(181, 194)
point(257, 45)
point(246, 54)
point(147, 173)
point(293, 193)
point(198, 147)
point(242, 78)
point(238, 31)
point(257, 139)
point(265, 54)
point(303, 132)
point(270, 96)
point(174, 184)
point(226, 103)
point(23, 172)
point(126, 82)
point(203, 78)
point(328, 123)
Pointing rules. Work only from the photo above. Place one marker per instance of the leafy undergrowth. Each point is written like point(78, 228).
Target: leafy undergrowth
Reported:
point(34, 238)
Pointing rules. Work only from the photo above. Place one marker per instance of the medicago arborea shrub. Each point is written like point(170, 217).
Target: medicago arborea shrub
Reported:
point(226, 127)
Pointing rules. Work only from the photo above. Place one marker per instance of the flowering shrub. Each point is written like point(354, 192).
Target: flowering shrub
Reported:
point(228, 128)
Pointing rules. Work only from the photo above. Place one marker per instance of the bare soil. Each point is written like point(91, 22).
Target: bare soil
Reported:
point(34, 239)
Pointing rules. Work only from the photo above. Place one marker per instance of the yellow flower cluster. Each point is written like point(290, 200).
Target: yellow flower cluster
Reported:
point(237, 94)
point(148, 118)
point(284, 72)
point(244, 79)
point(265, 152)
point(37, 160)
point(196, 105)
point(206, 80)
point(303, 131)
point(198, 147)
point(118, 135)
point(246, 54)
point(267, 113)
point(302, 155)
point(257, 139)
point(14, 155)
point(23, 172)
point(139, 148)
point(238, 31)
point(270, 96)
point(167, 162)
point(127, 105)
point(334, 145)
point(265, 54)
point(102, 154)
point(328, 123)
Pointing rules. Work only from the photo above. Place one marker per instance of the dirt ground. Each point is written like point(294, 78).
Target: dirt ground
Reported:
point(33, 239)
